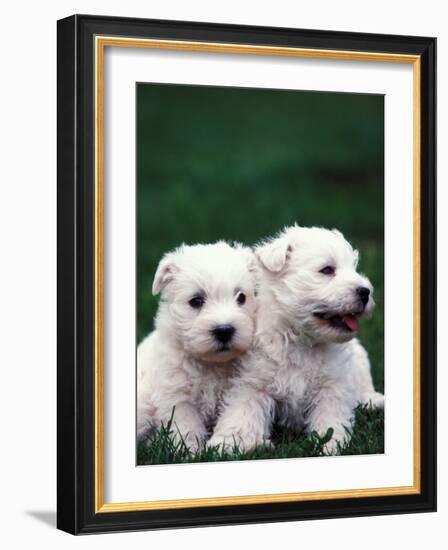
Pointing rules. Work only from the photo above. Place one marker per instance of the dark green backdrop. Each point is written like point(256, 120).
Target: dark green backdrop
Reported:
point(239, 164)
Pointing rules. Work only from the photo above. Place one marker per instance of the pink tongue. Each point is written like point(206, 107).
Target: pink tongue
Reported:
point(351, 321)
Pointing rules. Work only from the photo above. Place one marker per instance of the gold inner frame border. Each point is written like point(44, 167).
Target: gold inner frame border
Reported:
point(100, 44)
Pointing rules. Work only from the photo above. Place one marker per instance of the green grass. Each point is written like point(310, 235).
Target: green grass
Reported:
point(240, 164)
point(366, 438)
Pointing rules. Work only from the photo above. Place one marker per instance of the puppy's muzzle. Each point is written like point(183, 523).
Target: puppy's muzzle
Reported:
point(223, 333)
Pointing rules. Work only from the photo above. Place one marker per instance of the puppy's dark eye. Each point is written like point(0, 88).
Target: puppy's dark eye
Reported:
point(197, 302)
point(327, 270)
point(241, 298)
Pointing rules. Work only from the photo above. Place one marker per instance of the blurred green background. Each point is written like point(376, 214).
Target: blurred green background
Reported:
point(240, 164)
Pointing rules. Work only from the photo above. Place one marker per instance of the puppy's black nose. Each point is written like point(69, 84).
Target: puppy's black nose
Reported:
point(364, 293)
point(223, 333)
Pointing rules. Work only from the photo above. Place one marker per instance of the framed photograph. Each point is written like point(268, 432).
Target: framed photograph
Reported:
point(246, 274)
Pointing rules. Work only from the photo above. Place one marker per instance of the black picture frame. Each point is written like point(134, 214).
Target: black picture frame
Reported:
point(76, 285)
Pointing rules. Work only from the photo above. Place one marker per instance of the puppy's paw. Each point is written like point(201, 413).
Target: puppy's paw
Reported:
point(223, 443)
point(374, 400)
point(251, 444)
point(194, 443)
point(339, 439)
point(231, 443)
point(331, 448)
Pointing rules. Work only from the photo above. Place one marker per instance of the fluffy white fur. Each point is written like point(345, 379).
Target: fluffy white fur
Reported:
point(181, 364)
point(305, 370)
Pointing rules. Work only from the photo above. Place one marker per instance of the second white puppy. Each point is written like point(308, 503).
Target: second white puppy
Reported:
point(205, 322)
point(306, 368)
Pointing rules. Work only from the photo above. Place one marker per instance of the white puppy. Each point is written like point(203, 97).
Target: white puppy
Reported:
point(306, 369)
point(205, 321)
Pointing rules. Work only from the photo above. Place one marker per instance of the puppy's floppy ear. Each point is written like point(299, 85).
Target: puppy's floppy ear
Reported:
point(273, 254)
point(338, 233)
point(165, 273)
point(252, 263)
point(248, 255)
point(355, 252)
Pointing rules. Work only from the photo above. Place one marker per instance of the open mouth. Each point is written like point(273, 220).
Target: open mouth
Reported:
point(224, 347)
point(347, 321)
